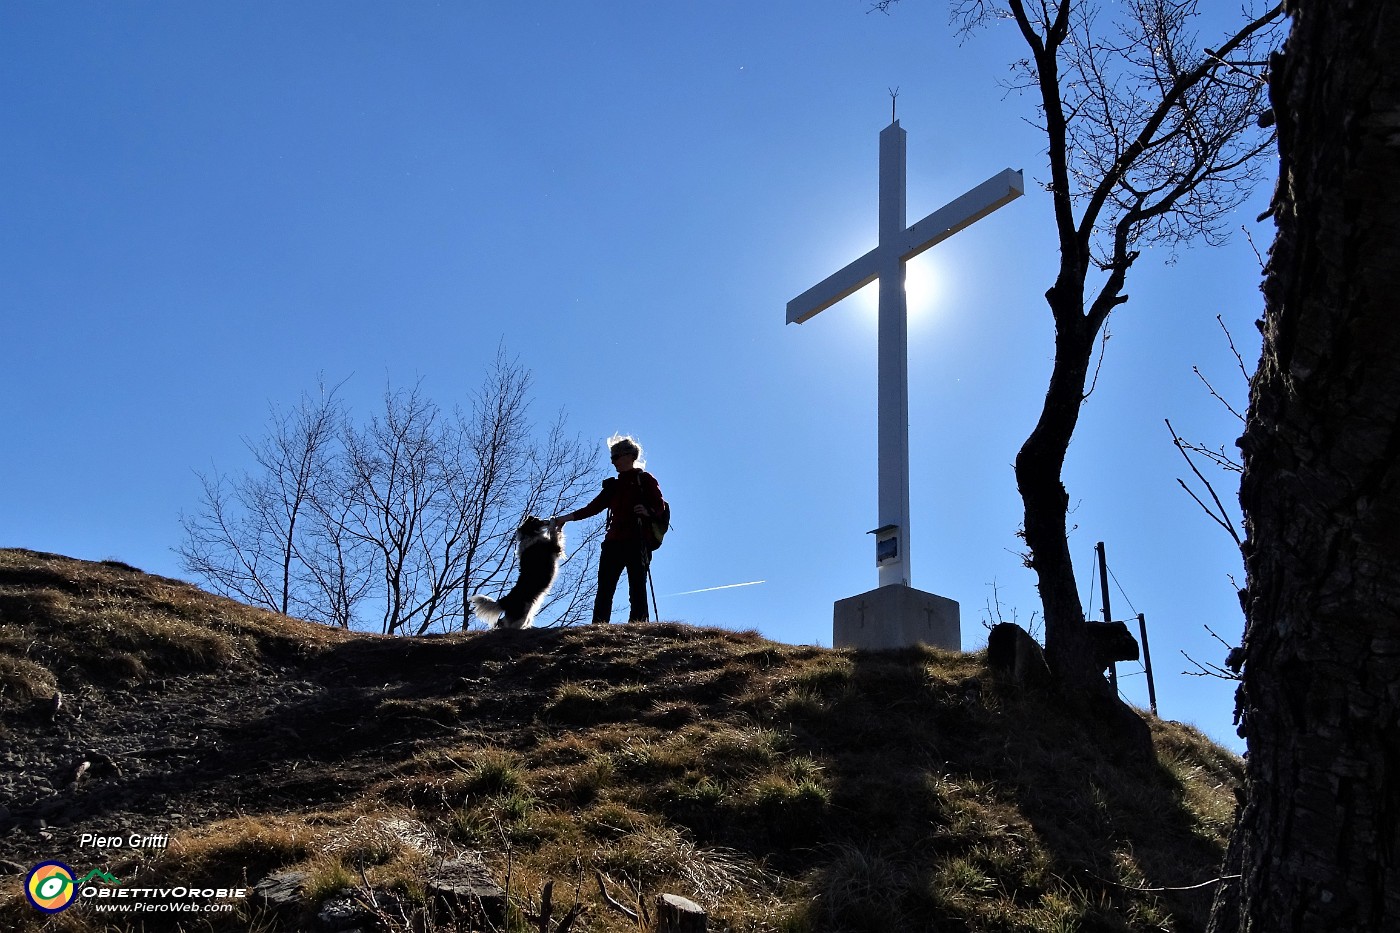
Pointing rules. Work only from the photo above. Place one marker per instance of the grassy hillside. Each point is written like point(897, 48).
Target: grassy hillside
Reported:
point(783, 788)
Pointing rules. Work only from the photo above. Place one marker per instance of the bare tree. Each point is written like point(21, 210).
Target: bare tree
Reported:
point(245, 539)
point(1151, 139)
point(1317, 842)
point(334, 565)
point(400, 470)
point(392, 523)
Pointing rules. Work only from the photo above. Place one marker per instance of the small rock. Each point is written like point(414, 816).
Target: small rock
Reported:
point(466, 882)
point(340, 914)
point(281, 890)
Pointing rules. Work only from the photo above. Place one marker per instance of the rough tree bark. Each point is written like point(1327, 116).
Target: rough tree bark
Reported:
point(1318, 838)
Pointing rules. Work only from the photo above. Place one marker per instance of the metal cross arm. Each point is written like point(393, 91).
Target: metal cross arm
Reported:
point(837, 286)
point(997, 191)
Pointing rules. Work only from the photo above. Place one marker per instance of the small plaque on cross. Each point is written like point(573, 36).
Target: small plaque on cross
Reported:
point(886, 544)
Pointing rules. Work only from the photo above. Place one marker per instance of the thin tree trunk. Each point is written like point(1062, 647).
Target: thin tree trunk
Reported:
point(1039, 465)
point(1073, 659)
point(1319, 835)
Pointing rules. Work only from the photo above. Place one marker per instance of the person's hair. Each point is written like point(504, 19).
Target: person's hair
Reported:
point(624, 444)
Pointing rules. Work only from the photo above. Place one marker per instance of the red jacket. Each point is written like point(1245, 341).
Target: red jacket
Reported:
point(620, 495)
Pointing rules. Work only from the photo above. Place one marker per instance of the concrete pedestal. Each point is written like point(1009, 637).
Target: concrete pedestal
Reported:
point(897, 616)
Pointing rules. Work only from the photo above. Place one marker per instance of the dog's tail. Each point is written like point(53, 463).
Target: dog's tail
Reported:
point(487, 610)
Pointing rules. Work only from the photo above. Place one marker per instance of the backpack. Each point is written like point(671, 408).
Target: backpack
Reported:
point(659, 525)
point(654, 532)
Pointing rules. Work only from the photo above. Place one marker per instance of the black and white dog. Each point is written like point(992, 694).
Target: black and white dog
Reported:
point(541, 545)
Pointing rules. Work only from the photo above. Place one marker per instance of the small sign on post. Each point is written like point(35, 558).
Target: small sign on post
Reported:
point(886, 544)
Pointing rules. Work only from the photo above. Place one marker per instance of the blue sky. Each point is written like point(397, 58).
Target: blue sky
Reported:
point(207, 205)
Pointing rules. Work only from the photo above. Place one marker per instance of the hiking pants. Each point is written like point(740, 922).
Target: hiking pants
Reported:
point(614, 557)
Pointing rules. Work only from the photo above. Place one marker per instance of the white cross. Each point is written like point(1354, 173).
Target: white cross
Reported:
point(899, 244)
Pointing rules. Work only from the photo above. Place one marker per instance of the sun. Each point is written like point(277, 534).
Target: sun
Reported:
point(923, 287)
point(924, 290)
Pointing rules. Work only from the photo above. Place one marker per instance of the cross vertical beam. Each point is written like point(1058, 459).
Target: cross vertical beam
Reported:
point(892, 397)
point(898, 244)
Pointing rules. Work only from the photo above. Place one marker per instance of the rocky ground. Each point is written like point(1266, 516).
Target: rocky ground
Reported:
point(119, 759)
point(270, 734)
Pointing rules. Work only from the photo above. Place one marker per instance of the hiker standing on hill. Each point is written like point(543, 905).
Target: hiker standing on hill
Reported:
point(632, 500)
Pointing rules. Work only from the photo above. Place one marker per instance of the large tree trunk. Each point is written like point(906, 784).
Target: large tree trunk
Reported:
point(1318, 839)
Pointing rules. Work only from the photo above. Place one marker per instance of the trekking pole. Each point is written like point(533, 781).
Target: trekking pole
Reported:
point(642, 539)
point(656, 613)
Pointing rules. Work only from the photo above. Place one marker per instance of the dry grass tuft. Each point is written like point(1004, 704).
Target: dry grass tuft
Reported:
point(22, 679)
point(243, 849)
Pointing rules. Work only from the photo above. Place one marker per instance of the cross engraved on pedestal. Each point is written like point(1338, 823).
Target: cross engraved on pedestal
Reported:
point(899, 244)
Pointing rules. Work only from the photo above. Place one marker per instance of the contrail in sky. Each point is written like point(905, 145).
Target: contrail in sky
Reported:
point(711, 589)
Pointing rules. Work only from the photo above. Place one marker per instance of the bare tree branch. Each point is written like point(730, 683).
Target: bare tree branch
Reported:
point(1218, 514)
